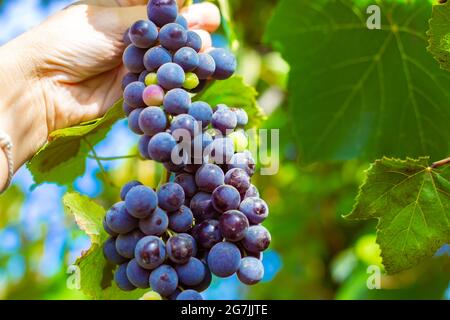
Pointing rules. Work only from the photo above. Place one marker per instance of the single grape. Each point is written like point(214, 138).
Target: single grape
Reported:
point(143, 146)
point(173, 36)
point(142, 76)
point(191, 81)
point(187, 58)
point(207, 233)
point(206, 282)
point(201, 111)
point(187, 123)
point(251, 271)
point(126, 38)
point(221, 150)
point(240, 140)
point(152, 120)
point(194, 41)
point(191, 273)
point(243, 160)
point(143, 34)
point(225, 63)
point(177, 101)
point(127, 109)
point(209, 177)
point(257, 239)
point(133, 121)
point(151, 79)
point(162, 12)
point(129, 78)
point(127, 187)
point(156, 224)
point(171, 197)
point(126, 243)
point(119, 220)
point(187, 182)
point(161, 146)
point(224, 259)
point(153, 95)
point(156, 57)
point(242, 116)
point(121, 279)
point(141, 201)
point(224, 120)
point(182, 21)
point(252, 192)
point(233, 225)
point(150, 252)
point(255, 209)
point(180, 248)
point(133, 94)
point(110, 252)
point(190, 295)
point(171, 76)
point(225, 198)
point(133, 58)
point(181, 220)
point(239, 179)
point(202, 207)
point(108, 229)
point(206, 66)
point(164, 280)
point(137, 275)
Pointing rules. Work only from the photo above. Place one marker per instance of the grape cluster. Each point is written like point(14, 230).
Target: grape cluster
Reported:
point(207, 219)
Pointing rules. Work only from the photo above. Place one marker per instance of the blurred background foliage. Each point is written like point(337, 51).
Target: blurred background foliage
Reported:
point(316, 254)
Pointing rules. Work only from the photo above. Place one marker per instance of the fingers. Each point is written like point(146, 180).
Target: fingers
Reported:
point(122, 3)
point(203, 15)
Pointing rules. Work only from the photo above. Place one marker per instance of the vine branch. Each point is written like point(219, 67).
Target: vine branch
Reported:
point(440, 163)
point(99, 163)
point(113, 158)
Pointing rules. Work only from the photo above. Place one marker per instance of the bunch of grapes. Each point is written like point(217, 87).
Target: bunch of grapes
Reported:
point(207, 219)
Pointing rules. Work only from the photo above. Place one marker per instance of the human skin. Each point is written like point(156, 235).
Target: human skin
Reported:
point(69, 70)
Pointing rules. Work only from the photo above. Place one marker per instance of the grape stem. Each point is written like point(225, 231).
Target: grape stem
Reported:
point(440, 163)
point(113, 158)
point(99, 163)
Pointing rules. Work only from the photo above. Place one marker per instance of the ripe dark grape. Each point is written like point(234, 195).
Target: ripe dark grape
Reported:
point(233, 225)
point(206, 282)
point(129, 78)
point(187, 58)
point(143, 146)
point(119, 220)
point(181, 220)
point(121, 279)
point(127, 109)
point(255, 209)
point(164, 280)
point(209, 177)
point(126, 38)
point(222, 150)
point(137, 275)
point(225, 63)
point(243, 160)
point(202, 112)
point(171, 76)
point(133, 59)
point(156, 57)
point(133, 121)
point(126, 243)
point(156, 224)
point(143, 34)
point(141, 201)
point(225, 198)
point(206, 66)
point(187, 182)
point(252, 192)
point(242, 117)
point(127, 187)
point(108, 229)
point(189, 295)
point(110, 252)
point(182, 21)
point(257, 239)
point(177, 101)
point(171, 197)
point(152, 120)
point(207, 233)
point(251, 271)
point(202, 207)
point(160, 147)
point(239, 179)
point(224, 259)
point(150, 252)
point(133, 94)
point(194, 41)
point(191, 273)
point(224, 120)
point(153, 95)
point(181, 248)
point(162, 12)
point(173, 36)
point(187, 123)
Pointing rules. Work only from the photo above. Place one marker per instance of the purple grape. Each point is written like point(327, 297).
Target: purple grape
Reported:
point(225, 198)
point(251, 271)
point(143, 34)
point(225, 63)
point(181, 220)
point(233, 225)
point(224, 120)
point(255, 209)
point(207, 233)
point(119, 220)
point(127, 187)
point(186, 123)
point(156, 57)
point(108, 229)
point(187, 182)
point(133, 94)
point(171, 76)
point(192, 273)
point(164, 280)
point(209, 177)
point(224, 259)
point(257, 239)
point(133, 121)
point(152, 120)
point(242, 117)
point(182, 22)
point(156, 224)
point(126, 38)
point(222, 150)
point(206, 66)
point(141, 201)
point(127, 109)
point(133, 59)
point(181, 248)
point(194, 41)
point(129, 78)
point(137, 275)
point(252, 192)
point(171, 197)
point(161, 146)
point(202, 112)
point(162, 12)
point(121, 279)
point(177, 101)
point(239, 179)
point(173, 36)
point(243, 160)
point(187, 58)
point(202, 207)
point(110, 252)
point(126, 243)
point(143, 146)
point(150, 252)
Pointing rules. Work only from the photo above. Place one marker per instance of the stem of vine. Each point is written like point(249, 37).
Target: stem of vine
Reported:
point(440, 163)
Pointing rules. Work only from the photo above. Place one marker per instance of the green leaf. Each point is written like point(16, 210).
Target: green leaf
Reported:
point(95, 273)
point(439, 34)
point(234, 93)
point(63, 158)
point(411, 200)
point(360, 93)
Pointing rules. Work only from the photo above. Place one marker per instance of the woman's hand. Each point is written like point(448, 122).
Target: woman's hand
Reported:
point(69, 69)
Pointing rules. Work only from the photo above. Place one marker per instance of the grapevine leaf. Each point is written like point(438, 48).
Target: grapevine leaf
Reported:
point(411, 201)
point(439, 34)
point(95, 273)
point(360, 93)
point(234, 93)
point(63, 158)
